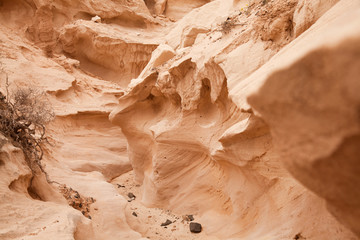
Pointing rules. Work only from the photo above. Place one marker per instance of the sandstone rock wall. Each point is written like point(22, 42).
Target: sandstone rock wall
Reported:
point(190, 123)
point(243, 113)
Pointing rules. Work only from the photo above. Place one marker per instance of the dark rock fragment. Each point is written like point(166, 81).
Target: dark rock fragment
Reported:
point(195, 227)
point(131, 195)
point(166, 223)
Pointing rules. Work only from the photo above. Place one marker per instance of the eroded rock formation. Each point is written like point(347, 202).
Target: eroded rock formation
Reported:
point(242, 113)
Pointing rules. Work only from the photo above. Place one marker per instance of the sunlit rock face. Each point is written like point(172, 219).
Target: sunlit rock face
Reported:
point(244, 114)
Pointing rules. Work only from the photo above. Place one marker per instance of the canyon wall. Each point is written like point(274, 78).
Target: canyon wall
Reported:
point(242, 113)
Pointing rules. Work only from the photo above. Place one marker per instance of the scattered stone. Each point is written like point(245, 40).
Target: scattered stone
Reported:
point(168, 222)
point(131, 196)
point(96, 19)
point(298, 237)
point(134, 214)
point(77, 201)
point(188, 218)
point(195, 227)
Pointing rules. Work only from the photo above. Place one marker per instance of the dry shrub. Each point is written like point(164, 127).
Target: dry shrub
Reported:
point(22, 119)
point(227, 25)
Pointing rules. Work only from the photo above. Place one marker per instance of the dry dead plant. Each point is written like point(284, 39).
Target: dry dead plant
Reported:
point(227, 25)
point(22, 119)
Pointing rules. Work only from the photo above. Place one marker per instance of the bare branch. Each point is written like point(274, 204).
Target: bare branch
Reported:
point(22, 118)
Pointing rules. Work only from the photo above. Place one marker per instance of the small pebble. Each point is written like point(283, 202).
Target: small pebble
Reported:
point(131, 195)
point(167, 222)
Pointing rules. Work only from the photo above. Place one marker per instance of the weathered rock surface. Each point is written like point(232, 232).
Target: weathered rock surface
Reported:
point(244, 113)
point(314, 119)
point(20, 205)
point(109, 55)
point(185, 119)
